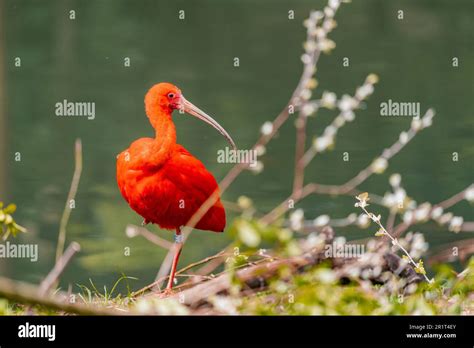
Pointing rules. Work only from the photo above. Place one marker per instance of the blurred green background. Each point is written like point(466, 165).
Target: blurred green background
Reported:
point(83, 60)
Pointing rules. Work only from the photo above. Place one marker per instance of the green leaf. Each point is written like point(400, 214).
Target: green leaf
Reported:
point(10, 209)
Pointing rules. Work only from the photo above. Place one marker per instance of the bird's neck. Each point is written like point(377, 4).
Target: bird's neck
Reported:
point(165, 132)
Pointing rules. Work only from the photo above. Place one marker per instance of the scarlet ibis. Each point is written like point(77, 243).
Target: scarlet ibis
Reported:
point(161, 180)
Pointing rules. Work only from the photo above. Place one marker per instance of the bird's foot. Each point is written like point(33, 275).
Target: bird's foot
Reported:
point(166, 293)
point(145, 222)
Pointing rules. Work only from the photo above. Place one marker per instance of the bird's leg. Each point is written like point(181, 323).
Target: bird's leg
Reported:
point(177, 246)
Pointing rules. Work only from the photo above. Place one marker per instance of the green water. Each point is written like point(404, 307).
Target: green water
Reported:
point(83, 60)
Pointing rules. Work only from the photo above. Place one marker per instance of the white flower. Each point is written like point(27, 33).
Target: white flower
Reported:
point(306, 58)
point(408, 217)
point(316, 15)
point(340, 240)
point(329, 24)
point(389, 200)
point(309, 23)
point(456, 224)
point(445, 218)
point(305, 94)
point(400, 195)
point(328, 99)
point(131, 231)
point(267, 128)
point(347, 103)
point(395, 200)
point(422, 212)
point(330, 131)
point(427, 120)
point(363, 221)
point(339, 121)
point(309, 109)
point(244, 202)
point(416, 124)
point(315, 240)
point(248, 235)
point(329, 12)
point(334, 4)
point(364, 91)
point(436, 213)
point(320, 221)
point(322, 143)
point(320, 33)
point(296, 219)
point(403, 137)
point(469, 195)
point(260, 149)
point(348, 115)
point(379, 165)
point(411, 204)
point(257, 168)
point(326, 45)
point(310, 46)
point(395, 180)
point(372, 79)
point(418, 246)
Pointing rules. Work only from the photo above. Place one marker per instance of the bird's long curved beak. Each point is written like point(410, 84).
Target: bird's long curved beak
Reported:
point(192, 109)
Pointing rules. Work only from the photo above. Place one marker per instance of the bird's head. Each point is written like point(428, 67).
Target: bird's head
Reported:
point(163, 98)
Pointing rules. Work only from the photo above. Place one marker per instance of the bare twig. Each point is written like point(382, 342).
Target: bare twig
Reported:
point(458, 197)
point(253, 275)
point(391, 220)
point(28, 294)
point(467, 226)
point(133, 230)
point(58, 269)
point(220, 254)
point(71, 196)
point(363, 198)
point(299, 152)
point(350, 186)
point(463, 248)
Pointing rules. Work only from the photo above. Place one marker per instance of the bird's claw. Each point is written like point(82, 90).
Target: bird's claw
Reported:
point(166, 293)
point(145, 222)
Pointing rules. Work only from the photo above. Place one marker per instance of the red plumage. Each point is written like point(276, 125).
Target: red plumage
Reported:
point(160, 179)
point(169, 194)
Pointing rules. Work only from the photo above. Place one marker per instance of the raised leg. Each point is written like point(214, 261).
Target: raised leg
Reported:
point(177, 246)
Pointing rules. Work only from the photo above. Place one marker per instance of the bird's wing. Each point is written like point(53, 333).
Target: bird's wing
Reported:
point(196, 184)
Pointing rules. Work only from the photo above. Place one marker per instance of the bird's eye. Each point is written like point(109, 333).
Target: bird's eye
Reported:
point(170, 95)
